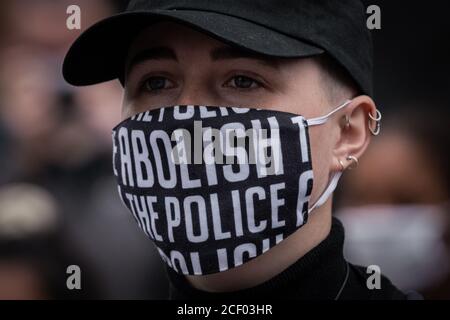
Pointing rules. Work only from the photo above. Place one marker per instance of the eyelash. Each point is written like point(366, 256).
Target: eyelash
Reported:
point(143, 84)
point(258, 83)
point(142, 87)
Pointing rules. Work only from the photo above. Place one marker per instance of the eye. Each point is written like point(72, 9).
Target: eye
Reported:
point(156, 83)
point(243, 82)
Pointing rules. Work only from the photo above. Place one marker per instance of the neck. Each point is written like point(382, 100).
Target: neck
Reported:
point(274, 261)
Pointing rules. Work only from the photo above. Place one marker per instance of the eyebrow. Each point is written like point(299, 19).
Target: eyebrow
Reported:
point(226, 53)
point(217, 54)
point(156, 53)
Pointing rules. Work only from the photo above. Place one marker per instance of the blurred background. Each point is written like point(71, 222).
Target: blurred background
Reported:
point(58, 198)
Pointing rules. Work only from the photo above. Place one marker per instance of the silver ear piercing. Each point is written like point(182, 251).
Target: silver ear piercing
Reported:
point(377, 119)
point(351, 167)
point(355, 162)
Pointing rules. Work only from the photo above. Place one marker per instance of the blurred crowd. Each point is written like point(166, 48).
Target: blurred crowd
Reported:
point(58, 199)
point(59, 203)
point(395, 205)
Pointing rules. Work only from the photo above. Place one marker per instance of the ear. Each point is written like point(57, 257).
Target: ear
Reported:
point(355, 134)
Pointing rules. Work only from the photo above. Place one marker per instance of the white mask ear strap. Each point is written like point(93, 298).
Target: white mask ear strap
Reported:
point(327, 192)
point(337, 175)
point(323, 119)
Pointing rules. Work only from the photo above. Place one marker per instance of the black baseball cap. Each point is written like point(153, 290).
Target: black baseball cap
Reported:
point(288, 28)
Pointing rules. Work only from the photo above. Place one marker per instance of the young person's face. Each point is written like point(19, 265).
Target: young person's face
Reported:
point(171, 64)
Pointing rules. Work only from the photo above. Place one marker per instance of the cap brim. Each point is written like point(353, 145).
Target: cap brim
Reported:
point(99, 53)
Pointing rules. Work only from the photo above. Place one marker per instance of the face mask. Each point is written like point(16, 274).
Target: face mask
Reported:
point(215, 187)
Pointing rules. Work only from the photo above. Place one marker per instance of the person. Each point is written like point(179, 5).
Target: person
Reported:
point(302, 72)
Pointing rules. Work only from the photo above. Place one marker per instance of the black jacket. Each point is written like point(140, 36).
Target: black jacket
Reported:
point(323, 273)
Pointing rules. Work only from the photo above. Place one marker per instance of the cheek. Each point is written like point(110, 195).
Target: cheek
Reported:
point(126, 111)
point(130, 107)
point(126, 105)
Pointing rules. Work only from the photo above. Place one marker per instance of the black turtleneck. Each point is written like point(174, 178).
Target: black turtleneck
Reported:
point(322, 273)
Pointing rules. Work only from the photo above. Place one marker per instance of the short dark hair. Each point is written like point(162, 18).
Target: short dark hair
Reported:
point(336, 79)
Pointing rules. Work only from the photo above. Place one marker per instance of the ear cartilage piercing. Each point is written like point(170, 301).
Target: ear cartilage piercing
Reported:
point(377, 120)
point(347, 121)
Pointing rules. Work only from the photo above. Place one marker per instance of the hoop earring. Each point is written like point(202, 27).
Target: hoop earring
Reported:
point(355, 162)
point(377, 120)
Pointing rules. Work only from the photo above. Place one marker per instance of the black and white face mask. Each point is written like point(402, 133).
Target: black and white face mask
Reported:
point(215, 187)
